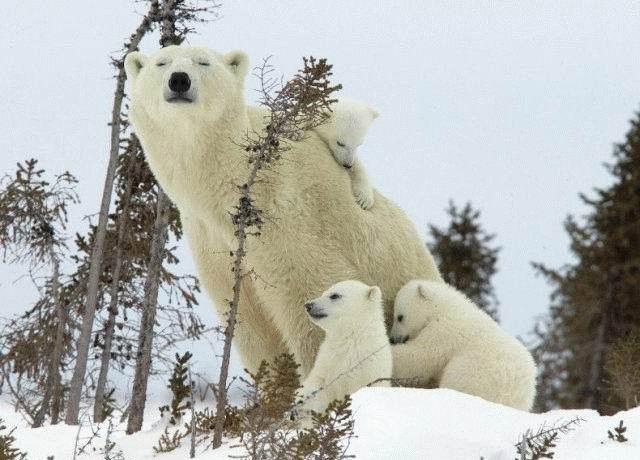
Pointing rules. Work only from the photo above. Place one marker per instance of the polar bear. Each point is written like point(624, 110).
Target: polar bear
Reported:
point(344, 132)
point(356, 349)
point(188, 110)
point(441, 335)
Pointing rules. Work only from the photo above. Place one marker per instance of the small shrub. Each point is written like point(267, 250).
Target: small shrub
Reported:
point(7, 450)
point(618, 433)
point(540, 444)
point(180, 389)
point(268, 429)
point(170, 441)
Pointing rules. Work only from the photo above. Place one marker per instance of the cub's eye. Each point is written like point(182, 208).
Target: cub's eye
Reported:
point(400, 318)
point(335, 296)
point(340, 144)
point(160, 64)
point(203, 63)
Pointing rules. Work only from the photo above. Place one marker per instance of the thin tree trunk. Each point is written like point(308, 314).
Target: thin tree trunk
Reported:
point(192, 447)
point(221, 400)
point(58, 349)
point(597, 365)
point(105, 359)
point(167, 18)
point(54, 381)
point(239, 254)
point(147, 323)
point(84, 341)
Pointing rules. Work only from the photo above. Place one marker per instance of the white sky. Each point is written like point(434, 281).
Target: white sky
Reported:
point(512, 105)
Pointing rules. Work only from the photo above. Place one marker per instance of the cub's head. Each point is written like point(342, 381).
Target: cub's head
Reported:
point(416, 305)
point(345, 302)
point(184, 83)
point(346, 129)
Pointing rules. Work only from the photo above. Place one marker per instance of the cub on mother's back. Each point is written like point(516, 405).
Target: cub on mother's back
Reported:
point(441, 335)
point(343, 132)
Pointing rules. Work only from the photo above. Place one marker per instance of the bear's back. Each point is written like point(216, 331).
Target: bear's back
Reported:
point(310, 191)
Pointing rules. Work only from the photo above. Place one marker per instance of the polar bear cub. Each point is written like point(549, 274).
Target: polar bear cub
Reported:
point(441, 335)
point(356, 349)
point(344, 132)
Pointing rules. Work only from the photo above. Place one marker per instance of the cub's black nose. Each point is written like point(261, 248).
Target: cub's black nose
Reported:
point(179, 82)
point(308, 306)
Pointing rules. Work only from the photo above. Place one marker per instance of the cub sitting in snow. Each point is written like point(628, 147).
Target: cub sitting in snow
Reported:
point(356, 349)
point(441, 335)
point(344, 132)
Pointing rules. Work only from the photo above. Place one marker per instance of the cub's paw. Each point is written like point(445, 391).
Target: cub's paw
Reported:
point(364, 197)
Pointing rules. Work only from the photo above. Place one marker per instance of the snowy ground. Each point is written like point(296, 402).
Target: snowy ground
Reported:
point(391, 423)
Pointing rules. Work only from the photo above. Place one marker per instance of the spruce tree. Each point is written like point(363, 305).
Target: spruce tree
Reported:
point(33, 220)
point(596, 299)
point(465, 256)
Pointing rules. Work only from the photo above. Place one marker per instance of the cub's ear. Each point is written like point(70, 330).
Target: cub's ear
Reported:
point(133, 63)
point(374, 113)
point(238, 62)
point(422, 292)
point(374, 293)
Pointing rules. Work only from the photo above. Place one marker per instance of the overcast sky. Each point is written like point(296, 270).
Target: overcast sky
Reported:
point(514, 107)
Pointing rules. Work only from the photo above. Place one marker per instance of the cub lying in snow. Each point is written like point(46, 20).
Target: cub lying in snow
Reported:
point(356, 349)
point(441, 335)
point(344, 132)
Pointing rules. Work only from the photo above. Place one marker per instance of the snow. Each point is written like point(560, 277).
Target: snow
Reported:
point(391, 423)
point(444, 424)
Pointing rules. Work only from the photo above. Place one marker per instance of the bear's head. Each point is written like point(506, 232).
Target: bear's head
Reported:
point(184, 84)
point(415, 306)
point(346, 302)
point(345, 129)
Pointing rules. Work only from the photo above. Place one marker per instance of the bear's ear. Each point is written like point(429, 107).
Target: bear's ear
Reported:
point(374, 293)
point(133, 63)
point(422, 292)
point(374, 113)
point(238, 62)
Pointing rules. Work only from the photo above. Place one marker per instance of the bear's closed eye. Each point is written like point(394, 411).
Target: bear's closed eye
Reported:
point(340, 144)
point(335, 296)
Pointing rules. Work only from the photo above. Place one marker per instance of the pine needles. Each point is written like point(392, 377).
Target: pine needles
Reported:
point(7, 449)
point(618, 433)
point(540, 444)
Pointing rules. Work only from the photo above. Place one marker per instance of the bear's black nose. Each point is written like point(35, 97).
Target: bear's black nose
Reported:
point(179, 82)
point(308, 306)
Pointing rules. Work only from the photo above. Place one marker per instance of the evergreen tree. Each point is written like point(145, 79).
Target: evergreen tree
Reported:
point(465, 256)
point(181, 389)
point(33, 220)
point(596, 299)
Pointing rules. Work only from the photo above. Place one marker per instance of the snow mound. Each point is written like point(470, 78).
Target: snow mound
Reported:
point(409, 423)
point(391, 424)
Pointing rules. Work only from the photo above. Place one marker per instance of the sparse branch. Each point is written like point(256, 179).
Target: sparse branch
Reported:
point(300, 105)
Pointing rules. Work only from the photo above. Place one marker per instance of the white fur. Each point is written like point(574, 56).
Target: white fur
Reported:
point(356, 350)
point(314, 233)
point(449, 340)
point(344, 132)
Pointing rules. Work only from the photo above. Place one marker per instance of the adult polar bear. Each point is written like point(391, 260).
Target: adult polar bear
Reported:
point(188, 109)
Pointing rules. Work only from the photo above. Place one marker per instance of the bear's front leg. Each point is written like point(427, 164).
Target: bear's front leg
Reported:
point(256, 337)
point(411, 368)
point(360, 186)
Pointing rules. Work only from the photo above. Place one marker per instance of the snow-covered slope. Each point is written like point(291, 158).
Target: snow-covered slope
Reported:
point(395, 423)
point(391, 424)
